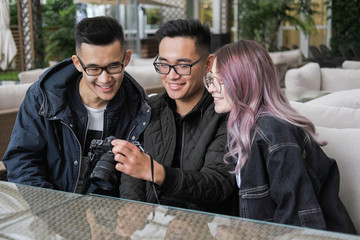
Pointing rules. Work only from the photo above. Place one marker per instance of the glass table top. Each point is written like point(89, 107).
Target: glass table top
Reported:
point(20, 201)
point(35, 213)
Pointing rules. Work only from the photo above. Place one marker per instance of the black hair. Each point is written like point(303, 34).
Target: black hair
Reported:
point(101, 30)
point(187, 28)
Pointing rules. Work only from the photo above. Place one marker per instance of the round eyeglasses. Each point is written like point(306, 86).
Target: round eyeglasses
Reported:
point(113, 68)
point(180, 69)
point(211, 79)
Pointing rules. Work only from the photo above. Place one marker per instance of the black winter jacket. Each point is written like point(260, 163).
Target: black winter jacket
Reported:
point(46, 145)
point(203, 181)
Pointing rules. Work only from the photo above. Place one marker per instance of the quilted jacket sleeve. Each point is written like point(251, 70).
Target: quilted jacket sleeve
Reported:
point(204, 177)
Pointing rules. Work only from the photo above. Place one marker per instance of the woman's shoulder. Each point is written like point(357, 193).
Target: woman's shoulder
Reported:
point(272, 123)
point(277, 131)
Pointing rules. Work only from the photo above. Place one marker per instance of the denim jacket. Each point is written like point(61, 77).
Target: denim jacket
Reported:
point(288, 179)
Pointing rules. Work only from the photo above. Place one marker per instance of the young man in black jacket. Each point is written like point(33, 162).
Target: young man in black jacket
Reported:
point(88, 96)
point(185, 137)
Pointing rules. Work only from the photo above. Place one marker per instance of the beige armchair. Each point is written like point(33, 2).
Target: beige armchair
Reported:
point(7, 120)
point(11, 96)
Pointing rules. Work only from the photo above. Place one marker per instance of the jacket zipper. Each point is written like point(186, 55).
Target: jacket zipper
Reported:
point(182, 144)
point(86, 129)
point(104, 124)
point(77, 140)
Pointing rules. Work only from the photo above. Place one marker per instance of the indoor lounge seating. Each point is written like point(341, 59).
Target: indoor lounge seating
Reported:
point(286, 60)
point(336, 119)
point(11, 97)
point(311, 77)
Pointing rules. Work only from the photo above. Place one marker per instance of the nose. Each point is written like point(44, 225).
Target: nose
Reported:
point(104, 76)
point(172, 74)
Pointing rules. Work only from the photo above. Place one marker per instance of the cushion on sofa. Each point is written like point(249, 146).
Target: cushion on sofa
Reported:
point(335, 79)
point(347, 64)
point(141, 62)
point(144, 75)
point(344, 148)
point(304, 78)
point(327, 116)
point(31, 76)
point(345, 98)
point(287, 57)
point(11, 96)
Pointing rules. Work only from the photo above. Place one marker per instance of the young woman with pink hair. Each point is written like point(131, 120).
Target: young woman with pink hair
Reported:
point(282, 173)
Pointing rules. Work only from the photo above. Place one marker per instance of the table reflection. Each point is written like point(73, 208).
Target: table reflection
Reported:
point(46, 214)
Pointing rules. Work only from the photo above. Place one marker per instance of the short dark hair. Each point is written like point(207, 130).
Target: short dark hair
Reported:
point(101, 30)
point(192, 28)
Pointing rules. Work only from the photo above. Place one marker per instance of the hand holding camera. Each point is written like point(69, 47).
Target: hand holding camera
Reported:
point(132, 161)
point(105, 174)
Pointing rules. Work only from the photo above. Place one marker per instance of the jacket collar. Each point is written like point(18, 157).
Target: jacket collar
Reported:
point(204, 102)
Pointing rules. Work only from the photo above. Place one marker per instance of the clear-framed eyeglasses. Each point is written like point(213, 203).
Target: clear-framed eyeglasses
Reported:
point(180, 69)
point(113, 68)
point(211, 79)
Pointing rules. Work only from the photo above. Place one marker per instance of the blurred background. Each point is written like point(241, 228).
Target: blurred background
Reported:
point(42, 30)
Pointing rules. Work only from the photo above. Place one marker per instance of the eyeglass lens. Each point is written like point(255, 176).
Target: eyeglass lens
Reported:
point(110, 69)
point(180, 69)
point(211, 79)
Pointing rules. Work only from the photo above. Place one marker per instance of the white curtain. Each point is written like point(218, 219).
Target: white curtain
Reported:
point(7, 43)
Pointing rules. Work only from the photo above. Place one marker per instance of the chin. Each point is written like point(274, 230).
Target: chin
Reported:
point(221, 109)
point(218, 110)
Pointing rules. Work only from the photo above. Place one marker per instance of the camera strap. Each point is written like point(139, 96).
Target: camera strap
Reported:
point(152, 178)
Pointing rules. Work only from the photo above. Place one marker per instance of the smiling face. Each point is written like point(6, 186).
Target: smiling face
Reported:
point(222, 100)
point(185, 90)
point(97, 91)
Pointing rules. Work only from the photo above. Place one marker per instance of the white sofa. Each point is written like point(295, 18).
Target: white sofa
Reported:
point(311, 77)
point(285, 60)
point(348, 64)
point(336, 118)
point(143, 71)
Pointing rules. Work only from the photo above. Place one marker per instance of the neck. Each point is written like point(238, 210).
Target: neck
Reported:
point(88, 98)
point(184, 107)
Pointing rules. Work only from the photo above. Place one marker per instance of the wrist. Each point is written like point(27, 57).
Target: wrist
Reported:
point(159, 173)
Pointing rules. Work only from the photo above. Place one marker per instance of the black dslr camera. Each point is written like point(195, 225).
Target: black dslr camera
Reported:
point(104, 175)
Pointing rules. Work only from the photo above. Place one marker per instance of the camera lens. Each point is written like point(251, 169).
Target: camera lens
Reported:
point(104, 175)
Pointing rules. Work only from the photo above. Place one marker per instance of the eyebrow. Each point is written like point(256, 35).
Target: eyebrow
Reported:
point(96, 65)
point(177, 60)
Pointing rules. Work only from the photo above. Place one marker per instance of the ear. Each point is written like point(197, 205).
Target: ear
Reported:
point(77, 63)
point(127, 57)
point(209, 62)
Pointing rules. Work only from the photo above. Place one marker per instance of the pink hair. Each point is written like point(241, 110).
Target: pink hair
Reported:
point(250, 80)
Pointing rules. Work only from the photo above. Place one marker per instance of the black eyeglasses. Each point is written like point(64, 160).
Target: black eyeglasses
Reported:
point(211, 79)
point(113, 68)
point(180, 69)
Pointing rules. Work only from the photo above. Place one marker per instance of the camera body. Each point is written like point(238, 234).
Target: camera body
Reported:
point(104, 175)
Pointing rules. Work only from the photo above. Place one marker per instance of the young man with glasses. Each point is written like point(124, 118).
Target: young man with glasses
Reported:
point(86, 97)
point(185, 139)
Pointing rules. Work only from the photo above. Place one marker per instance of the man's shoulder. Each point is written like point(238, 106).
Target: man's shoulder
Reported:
point(158, 101)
